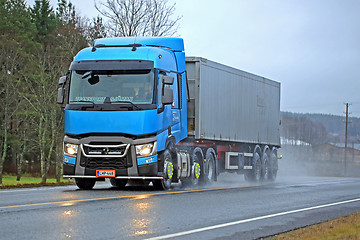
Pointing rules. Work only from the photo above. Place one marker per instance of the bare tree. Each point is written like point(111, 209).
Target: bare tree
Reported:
point(139, 17)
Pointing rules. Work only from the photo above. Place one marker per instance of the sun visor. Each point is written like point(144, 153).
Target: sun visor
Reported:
point(112, 65)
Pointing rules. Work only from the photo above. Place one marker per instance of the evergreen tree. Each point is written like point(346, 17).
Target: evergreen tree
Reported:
point(44, 18)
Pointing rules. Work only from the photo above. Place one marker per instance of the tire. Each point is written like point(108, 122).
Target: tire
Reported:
point(266, 167)
point(85, 183)
point(118, 183)
point(210, 166)
point(274, 166)
point(168, 170)
point(254, 175)
point(194, 178)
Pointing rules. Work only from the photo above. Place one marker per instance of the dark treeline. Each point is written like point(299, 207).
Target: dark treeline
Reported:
point(318, 128)
point(37, 44)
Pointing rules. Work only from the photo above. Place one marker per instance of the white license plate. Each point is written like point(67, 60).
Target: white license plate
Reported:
point(105, 173)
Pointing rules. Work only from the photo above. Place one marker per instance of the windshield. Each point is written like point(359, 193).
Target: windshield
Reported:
point(110, 86)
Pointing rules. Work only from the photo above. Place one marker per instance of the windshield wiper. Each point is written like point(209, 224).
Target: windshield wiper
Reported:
point(84, 101)
point(132, 104)
point(87, 74)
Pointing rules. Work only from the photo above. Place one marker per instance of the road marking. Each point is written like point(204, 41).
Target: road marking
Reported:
point(17, 190)
point(72, 202)
point(251, 220)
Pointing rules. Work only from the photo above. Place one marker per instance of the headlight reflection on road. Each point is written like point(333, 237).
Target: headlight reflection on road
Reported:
point(144, 196)
point(68, 213)
point(67, 220)
point(66, 204)
point(141, 224)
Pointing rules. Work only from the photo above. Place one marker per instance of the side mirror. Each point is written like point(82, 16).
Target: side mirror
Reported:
point(60, 97)
point(167, 97)
point(169, 80)
point(62, 80)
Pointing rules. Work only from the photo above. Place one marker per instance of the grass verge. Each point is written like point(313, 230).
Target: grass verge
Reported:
point(342, 228)
point(26, 182)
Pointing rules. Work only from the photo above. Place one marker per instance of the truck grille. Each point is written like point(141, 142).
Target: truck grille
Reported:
point(105, 155)
point(106, 163)
point(114, 150)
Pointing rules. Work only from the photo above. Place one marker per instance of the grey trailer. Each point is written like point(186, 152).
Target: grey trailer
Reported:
point(228, 104)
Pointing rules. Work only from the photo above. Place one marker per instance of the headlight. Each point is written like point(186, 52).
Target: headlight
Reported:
point(70, 149)
point(145, 150)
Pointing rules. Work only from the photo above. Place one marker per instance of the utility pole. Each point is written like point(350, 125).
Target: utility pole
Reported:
point(346, 133)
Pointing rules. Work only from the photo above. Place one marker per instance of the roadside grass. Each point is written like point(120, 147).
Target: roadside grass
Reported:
point(338, 229)
point(9, 181)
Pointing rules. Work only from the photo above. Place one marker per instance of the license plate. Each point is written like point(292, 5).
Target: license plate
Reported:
point(105, 173)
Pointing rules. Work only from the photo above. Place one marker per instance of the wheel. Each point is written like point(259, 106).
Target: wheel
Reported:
point(195, 172)
point(209, 171)
point(254, 175)
point(168, 169)
point(118, 183)
point(85, 183)
point(274, 166)
point(266, 167)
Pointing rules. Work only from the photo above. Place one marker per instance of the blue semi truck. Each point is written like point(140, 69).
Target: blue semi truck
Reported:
point(138, 109)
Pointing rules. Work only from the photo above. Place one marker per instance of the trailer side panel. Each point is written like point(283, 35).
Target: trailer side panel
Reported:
point(228, 104)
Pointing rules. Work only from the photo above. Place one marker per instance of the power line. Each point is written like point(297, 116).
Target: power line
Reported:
point(346, 133)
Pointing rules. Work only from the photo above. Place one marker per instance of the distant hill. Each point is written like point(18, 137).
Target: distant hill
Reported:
point(334, 126)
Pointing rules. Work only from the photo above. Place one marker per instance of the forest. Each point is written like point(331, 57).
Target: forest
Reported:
point(37, 45)
point(319, 128)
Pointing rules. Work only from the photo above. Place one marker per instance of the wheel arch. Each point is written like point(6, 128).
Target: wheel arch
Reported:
point(266, 150)
point(199, 153)
point(257, 149)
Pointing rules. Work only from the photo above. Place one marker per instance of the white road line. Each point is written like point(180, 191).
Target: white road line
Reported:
point(251, 220)
point(35, 189)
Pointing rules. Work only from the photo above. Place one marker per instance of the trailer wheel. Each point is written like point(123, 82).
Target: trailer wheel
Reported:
point(168, 171)
point(85, 183)
point(266, 167)
point(254, 174)
point(118, 183)
point(274, 165)
point(210, 167)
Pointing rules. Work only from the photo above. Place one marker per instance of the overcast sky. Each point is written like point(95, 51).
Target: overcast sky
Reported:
point(312, 47)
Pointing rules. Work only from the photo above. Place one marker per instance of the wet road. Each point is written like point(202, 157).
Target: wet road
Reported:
point(229, 209)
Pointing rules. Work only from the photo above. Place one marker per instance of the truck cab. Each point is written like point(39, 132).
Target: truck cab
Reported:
point(125, 104)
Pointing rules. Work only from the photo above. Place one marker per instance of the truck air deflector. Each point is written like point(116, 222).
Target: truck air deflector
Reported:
point(112, 65)
point(167, 61)
point(177, 44)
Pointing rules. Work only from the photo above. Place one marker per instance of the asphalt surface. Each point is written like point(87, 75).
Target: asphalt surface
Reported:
point(228, 209)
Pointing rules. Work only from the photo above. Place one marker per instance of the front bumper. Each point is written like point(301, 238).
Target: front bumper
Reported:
point(126, 165)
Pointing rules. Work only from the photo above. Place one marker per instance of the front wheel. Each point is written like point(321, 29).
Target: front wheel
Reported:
point(168, 170)
point(85, 183)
